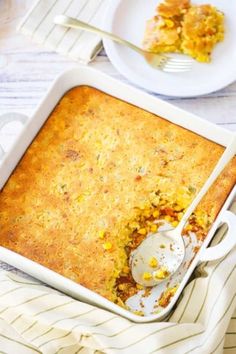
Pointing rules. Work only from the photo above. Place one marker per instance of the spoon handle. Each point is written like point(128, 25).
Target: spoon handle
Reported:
point(228, 154)
point(71, 22)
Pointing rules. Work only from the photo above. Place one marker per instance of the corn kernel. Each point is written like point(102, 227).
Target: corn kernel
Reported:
point(142, 231)
point(147, 213)
point(101, 234)
point(134, 225)
point(156, 213)
point(139, 287)
point(144, 205)
point(182, 191)
point(138, 313)
point(202, 58)
point(199, 213)
point(179, 30)
point(188, 227)
point(161, 273)
point(183, 200)
point(180, 215)
point(156, 200)
point(121, 303)
point(174, 223)
point(107, 246)
point(168, 218)
point(178, 208)
point(201, 222)
point(126, 269)
point(80, 198)
point(173, 290)
point(169, 23)
point(166, 296)
point(147, 276)
point(121, 286)
point(116, 273)
point(153, 228)
point(153, 262)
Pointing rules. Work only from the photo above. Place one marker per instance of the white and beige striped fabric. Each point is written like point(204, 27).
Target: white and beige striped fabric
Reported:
point(37, 319)
point(78, 45)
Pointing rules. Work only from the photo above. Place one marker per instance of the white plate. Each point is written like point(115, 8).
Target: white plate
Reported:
point(127, 19)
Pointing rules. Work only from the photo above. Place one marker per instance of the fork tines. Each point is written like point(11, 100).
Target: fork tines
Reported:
point(169, 64)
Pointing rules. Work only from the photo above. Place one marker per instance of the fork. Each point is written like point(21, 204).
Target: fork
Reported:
point(157, 61)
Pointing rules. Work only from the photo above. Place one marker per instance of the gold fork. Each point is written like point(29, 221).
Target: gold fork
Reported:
point(158, 61)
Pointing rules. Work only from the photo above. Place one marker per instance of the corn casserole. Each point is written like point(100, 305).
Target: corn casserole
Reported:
point(98, 178)
point(180, 27)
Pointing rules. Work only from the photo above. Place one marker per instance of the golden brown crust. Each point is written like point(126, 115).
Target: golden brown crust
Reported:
point(173, 8)
point(93, 165)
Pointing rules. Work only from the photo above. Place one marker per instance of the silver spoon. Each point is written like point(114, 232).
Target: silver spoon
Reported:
point(167, 247)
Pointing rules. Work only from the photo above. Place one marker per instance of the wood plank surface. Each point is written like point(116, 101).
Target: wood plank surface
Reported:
point(26, 71)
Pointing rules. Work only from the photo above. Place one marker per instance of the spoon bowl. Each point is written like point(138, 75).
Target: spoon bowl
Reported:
point(158, 256)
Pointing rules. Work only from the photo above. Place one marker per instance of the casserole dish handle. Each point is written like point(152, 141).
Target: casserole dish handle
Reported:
point(227, 244)
point(8, 118)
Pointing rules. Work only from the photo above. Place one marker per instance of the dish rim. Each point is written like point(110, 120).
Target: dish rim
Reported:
point(87, 76)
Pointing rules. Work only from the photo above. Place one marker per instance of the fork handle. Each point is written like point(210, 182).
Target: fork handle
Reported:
point(71, 22)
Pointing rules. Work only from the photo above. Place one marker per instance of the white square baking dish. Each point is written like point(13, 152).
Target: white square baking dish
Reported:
point(8, 161)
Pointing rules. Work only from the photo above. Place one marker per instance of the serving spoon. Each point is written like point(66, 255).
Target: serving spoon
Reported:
point(157, 61)
point(161, 254)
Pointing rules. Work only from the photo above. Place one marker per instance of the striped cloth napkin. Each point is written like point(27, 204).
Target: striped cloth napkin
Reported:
point(37, 319)
point(78, 45)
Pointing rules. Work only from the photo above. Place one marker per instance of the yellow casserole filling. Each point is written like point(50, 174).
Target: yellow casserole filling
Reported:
point(181, 27)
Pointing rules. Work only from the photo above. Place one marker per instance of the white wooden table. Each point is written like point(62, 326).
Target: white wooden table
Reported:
point(27, 70)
